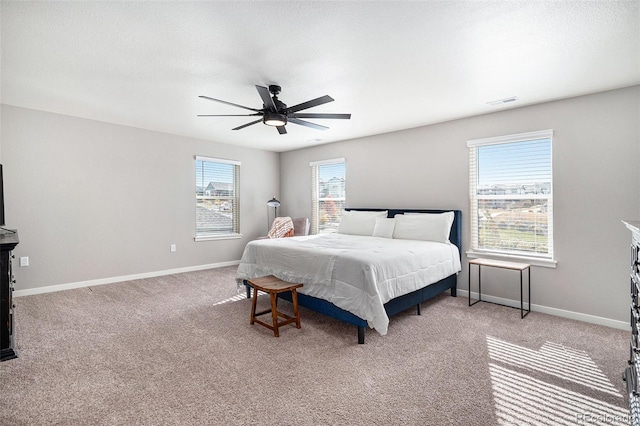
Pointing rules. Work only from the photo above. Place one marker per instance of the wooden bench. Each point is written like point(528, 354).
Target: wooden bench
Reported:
point(274, 286)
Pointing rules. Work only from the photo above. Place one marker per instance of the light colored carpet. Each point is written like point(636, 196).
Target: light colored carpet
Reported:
point(179, 350)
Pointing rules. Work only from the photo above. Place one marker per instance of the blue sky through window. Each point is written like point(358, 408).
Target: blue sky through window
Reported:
point(207, 171)
point(524, 162)
point(328, 171)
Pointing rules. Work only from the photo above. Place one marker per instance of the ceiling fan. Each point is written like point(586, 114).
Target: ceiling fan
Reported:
point(275, 113)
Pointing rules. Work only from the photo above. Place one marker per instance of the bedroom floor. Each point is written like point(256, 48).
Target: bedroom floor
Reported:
point(179, 350)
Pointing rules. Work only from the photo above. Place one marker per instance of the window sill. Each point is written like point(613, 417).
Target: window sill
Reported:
point(218, 237)
point(533, 261)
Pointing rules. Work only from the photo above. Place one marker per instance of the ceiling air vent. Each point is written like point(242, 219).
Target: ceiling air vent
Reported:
point(503, 101)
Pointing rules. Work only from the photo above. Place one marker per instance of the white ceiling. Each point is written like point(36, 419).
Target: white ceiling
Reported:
point(392, 65)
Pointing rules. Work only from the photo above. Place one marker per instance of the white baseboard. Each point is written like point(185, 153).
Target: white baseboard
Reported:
point(101, 281)
point(621, 325)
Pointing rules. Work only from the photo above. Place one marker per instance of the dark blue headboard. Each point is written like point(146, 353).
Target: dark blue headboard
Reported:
point(456, 228)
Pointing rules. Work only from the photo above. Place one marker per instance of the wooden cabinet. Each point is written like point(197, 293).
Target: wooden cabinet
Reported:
point(8, 241)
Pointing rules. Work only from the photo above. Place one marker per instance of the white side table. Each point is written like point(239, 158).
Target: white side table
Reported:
point(504, 265)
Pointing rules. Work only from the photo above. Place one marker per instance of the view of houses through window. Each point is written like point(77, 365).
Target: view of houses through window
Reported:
point(511, 195)
point(328, 195)
point(217, 198)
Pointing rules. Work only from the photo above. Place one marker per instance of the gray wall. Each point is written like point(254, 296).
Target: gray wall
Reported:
point(596, 147)
point(93, 200)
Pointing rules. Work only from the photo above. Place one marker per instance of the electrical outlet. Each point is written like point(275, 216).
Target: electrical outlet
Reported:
point(24, 261)
point(173, 248)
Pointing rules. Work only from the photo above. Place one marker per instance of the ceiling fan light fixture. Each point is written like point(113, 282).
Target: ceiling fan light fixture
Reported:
point(274, 119)
point(275, 113)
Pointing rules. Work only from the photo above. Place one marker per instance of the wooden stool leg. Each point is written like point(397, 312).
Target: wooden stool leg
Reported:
point(274, 314)
point(254, 301)
point(294, 298)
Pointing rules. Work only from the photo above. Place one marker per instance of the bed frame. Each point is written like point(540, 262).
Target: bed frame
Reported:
point(399, 304)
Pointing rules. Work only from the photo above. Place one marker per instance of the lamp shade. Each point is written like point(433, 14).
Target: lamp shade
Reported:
point(273, 202)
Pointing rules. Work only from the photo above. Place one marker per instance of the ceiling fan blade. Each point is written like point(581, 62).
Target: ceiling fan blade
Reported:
point(319, 115)
point(227, 115)
point(309, 104)
point(247, 125)
point(282, 130)
point(266, 98)
point(306, 123)
point(228, 103)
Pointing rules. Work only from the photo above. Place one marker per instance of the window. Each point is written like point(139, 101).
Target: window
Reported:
point(217, 198)
point(327, 194)
point(511, 192)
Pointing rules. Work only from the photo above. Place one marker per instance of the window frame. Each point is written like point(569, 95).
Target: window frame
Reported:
point(474, 251)
point(315, 191)
point(235, 200)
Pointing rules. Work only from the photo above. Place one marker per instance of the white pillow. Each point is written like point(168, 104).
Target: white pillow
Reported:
point(427, 227)
point(384, 227)
point(354, 222)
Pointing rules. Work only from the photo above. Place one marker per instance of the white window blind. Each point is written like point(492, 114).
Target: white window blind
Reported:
point(217, 198)
point(511, 194)
point(328, 194)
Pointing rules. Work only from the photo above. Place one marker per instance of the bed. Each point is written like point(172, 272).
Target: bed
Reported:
point(363, 279)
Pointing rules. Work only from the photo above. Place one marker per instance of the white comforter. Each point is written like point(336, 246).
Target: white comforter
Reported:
point(356, 273)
